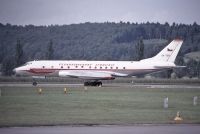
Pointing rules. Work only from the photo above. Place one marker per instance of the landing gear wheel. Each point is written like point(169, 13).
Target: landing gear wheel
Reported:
point(34, 83)
point(95, 83)
point(86, 83)
point(99, 84)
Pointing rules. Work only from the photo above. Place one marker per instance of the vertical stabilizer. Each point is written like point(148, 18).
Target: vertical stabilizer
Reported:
point(170, 52)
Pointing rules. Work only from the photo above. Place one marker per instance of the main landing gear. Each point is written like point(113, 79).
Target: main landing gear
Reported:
point(34, 83)
point(94, 83)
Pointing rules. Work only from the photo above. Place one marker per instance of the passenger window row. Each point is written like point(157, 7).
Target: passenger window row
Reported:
point(89, 67)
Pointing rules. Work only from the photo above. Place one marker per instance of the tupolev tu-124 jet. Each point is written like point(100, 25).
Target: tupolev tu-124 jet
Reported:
point(95, 71)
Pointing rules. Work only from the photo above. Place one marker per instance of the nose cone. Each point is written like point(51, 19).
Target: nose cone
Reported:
point(19, 71)
point(14, 70)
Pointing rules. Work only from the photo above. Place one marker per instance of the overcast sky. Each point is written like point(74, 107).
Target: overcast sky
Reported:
point(47, 12)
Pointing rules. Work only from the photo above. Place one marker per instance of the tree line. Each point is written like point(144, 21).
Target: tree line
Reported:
point(96, 41)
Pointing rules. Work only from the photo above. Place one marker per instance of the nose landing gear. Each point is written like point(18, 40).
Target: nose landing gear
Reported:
point(34, 83)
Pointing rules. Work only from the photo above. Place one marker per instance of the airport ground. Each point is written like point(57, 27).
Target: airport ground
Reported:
point(106, 129)
point(112, 104)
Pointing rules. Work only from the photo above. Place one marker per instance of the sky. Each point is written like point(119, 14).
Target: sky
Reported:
point(52, 12)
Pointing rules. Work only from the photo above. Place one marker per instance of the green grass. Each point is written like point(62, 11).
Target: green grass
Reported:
point(20, 106)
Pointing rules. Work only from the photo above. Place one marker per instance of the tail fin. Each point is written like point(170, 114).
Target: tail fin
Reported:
point(170, 52)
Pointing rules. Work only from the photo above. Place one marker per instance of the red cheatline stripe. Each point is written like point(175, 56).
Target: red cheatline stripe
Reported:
point(43, 71)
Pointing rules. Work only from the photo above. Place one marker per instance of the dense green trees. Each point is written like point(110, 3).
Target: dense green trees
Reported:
point(50, 51)
point(94, 41)
point(19, 54)
point(140, 50)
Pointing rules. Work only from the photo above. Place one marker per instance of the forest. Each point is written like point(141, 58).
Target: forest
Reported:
point(99, 41)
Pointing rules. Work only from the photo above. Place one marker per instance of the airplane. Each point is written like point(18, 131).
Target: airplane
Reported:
point(93, 72)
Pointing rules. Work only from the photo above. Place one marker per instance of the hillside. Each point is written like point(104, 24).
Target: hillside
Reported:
point(193, 55)
point(93, 41)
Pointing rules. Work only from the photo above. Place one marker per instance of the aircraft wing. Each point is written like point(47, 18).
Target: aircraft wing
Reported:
point(91, 75)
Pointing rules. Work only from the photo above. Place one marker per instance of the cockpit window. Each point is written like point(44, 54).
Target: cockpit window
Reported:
point(27, 63)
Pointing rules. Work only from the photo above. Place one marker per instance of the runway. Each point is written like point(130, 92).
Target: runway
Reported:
point(137, 129)
point(138, 85)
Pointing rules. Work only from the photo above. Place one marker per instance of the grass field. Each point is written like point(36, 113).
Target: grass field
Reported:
point(22, 106)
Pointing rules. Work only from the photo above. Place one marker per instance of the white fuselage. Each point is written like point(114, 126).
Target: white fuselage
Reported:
point(102, 70)
point(107, 69)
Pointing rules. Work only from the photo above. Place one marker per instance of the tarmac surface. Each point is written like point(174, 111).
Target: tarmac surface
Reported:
point(104, 85)
point(137, 129)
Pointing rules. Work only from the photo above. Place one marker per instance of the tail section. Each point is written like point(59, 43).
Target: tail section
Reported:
point(170, 52)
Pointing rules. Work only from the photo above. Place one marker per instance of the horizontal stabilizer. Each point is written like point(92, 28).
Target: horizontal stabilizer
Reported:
point(179, 67)
point(163, 67)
